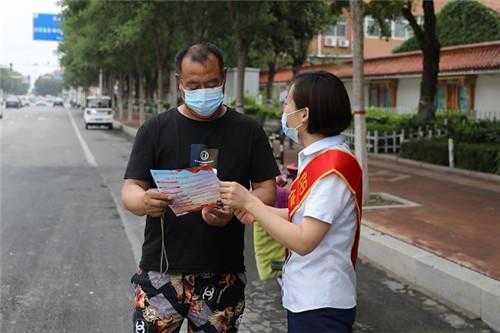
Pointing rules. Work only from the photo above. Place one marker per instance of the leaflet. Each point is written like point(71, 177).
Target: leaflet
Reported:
point(192, 188)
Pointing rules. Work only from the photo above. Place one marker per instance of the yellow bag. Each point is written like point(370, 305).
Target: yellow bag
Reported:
point(267, 250)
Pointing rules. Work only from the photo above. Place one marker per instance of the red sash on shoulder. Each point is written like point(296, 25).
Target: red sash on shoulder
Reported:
point(330, 161)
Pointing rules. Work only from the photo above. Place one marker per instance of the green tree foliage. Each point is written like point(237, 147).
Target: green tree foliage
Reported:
point(462, 22)
point(48, 85)
point(12, 82)
point(140, 38)
point(284, 42)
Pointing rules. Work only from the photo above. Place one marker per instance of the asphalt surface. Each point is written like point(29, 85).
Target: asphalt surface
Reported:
point(68, 249)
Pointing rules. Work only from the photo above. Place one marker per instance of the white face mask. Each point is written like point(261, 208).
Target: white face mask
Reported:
point(290, 132)
point(204, 101)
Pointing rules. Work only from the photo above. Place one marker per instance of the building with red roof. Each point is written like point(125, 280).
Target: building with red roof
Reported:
point(469, 79)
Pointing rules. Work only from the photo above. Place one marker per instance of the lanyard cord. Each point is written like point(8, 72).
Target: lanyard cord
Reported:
point(163, 249)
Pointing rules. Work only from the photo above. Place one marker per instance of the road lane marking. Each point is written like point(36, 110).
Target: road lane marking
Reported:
point(132, 235)
point(88, 154)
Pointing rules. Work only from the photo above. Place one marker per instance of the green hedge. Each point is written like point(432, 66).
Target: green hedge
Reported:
point(484, 157)
point(251, 107)
point(476, 132)
point(379, 119)
point(430, 151)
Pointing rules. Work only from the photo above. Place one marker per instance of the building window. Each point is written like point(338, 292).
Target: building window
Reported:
point(464, 99)
point(400, 29)
point(440, 98)
point(383, 93)
point(455, 94)
point(372, 27)
point(338, 30)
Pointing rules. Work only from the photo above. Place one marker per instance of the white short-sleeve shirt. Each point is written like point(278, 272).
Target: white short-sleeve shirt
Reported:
point(325, 278)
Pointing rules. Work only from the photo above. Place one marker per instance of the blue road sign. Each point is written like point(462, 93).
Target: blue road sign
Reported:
point(47, 27)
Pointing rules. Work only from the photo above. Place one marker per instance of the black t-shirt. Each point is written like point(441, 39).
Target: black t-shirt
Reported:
point(241, 152)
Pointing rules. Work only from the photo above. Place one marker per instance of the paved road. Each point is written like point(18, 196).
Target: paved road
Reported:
point(67, 248)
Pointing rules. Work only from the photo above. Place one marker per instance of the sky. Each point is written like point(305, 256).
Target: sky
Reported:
point(17, 46)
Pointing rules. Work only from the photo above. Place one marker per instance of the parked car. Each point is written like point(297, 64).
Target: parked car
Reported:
point(42, 103)
point(98, 111)
point(12, 102)
point(58, 102)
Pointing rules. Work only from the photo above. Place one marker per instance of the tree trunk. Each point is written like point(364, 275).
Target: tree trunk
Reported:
point(240, 84)
point(358, 91)
point(174, 89)
point(110, 80)
point(131, 97)
point(430, 46)
point(428, 85)
point(120, 96)
point(142, 93)
point(271, 72)
point(159, 95)
point(431, 50)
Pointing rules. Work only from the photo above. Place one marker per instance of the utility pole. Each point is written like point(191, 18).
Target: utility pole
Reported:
point(358, 91)
point(100, 82)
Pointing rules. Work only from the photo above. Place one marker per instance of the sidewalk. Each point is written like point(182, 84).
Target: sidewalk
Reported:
point(459, 218)
point(448, 245)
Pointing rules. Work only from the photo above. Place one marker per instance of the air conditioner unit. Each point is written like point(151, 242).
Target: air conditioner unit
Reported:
point(330, 41)
point(343, 43)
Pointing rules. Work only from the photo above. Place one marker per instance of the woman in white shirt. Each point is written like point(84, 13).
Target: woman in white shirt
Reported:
point(319, 280)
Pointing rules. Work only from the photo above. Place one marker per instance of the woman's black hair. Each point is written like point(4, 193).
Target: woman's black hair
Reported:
point(327, 100)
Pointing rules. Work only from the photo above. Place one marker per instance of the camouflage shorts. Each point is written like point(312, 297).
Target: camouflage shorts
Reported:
point(210, 302)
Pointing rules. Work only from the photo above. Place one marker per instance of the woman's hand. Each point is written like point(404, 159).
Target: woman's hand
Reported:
point(234, 195)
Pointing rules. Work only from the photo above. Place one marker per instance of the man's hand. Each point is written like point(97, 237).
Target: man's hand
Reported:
point(217, 217)
point(155, 202)
point(244, 216)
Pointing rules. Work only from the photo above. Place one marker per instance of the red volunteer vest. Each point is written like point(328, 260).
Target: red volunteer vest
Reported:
point(330, 161)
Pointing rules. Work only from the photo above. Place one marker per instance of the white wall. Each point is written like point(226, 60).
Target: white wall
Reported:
point(407, 95)
point(251, 83)
point(348, 87)
point(487, 100)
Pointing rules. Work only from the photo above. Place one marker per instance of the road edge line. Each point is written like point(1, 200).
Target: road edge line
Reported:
point(86, 150)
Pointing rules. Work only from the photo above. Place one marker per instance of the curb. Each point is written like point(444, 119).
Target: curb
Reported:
point(477, 295)
point(130, 131)
point(434, 167)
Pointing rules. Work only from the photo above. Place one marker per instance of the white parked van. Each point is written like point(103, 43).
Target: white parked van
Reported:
point(98, 111)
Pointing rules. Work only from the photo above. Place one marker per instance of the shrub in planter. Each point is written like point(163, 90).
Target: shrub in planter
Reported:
point(498, 164)
point(478, 157)
point(260, 111)
point(482, 157)
point(433, 151)
point(476, 132)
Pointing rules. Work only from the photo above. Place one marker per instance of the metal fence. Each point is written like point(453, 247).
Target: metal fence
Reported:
point(487, 115)
point(383, 142)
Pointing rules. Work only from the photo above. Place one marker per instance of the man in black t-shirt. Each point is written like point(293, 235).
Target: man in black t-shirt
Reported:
point(192, 265)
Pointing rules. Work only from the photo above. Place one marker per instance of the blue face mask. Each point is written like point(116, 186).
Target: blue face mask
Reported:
point(292, 133)
point(204, 101)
